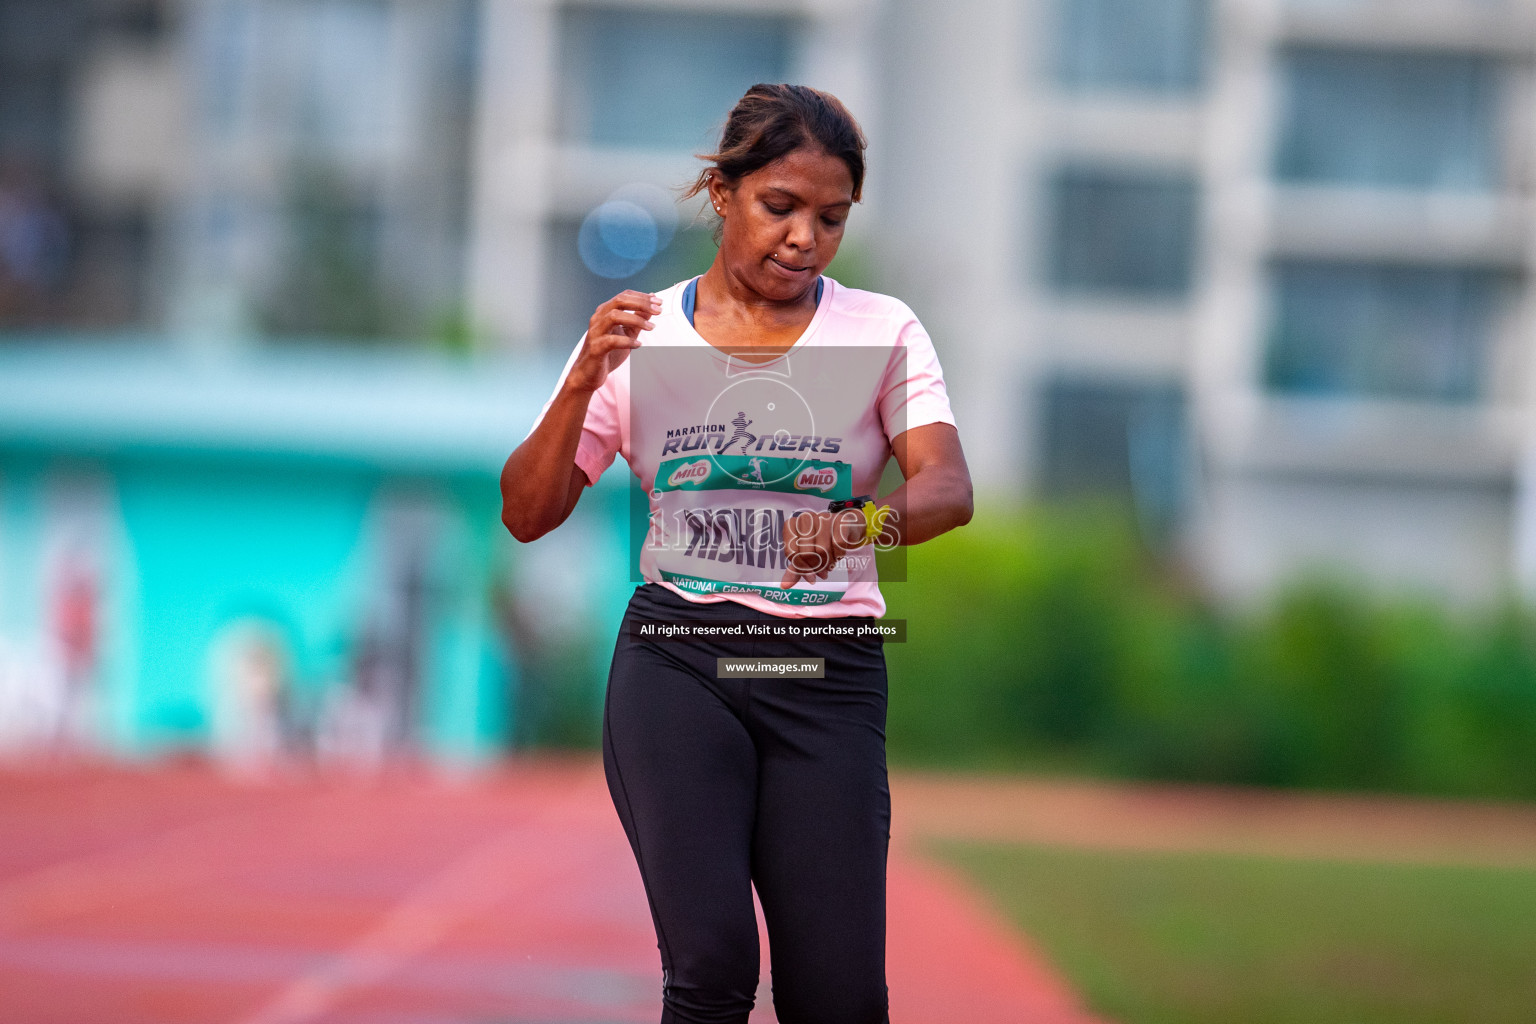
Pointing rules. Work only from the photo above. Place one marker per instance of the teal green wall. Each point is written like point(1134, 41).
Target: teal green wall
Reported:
point(200, 543)
point(213, 544)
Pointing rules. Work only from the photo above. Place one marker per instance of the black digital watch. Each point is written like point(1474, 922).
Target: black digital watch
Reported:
point(846, 503)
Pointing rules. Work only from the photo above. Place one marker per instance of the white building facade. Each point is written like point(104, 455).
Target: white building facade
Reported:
point(1260, 265)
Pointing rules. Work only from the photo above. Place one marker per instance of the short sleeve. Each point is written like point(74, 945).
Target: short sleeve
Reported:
point(600, 431)
point(912, 393)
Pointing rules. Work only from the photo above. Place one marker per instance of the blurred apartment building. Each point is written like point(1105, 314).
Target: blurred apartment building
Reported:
point(1262, 265)
point(218, 168)
point(1259, 266)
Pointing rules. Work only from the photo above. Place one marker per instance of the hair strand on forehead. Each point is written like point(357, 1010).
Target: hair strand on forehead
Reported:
point(772, 121)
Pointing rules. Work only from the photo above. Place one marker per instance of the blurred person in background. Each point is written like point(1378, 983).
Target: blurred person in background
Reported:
point(76, 615)
point(251, 677)
point(725, 783)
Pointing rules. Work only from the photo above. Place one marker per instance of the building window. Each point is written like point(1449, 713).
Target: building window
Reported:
point(144, 21)
point(41, 218)
point(662, 79)
point(329, 278)
point(1116, 439)
point(1122, 231)
point(1396, 119)
point(1133, 45)
point(1380, 330)
point(357, 115)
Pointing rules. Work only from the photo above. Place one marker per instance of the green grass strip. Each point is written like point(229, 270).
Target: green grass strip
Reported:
point(1191, 938)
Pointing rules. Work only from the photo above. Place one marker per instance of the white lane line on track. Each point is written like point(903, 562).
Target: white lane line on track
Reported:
point(469, 885)
point(463, 888)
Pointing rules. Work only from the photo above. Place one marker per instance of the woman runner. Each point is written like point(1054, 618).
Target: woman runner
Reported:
point(725, 782)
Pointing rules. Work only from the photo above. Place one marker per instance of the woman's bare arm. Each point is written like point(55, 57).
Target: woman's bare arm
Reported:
point(541, 483)
point(937, 494)
point(935, 498)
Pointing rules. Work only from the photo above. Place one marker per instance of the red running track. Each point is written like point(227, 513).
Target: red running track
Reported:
point(175, 896)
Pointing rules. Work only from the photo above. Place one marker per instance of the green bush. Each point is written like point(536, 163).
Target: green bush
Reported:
point(1057, 641)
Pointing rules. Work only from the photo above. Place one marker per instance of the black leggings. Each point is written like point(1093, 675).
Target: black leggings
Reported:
point(723, 784)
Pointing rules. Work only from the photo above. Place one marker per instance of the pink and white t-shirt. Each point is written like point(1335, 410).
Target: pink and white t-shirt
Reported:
point(727, 447)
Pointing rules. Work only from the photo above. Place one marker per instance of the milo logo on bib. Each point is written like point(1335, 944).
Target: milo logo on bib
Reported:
point(822, 480)
point(752, 472)
point(689, 473)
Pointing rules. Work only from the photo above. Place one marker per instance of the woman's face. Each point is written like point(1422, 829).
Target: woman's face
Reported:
point(783, 222)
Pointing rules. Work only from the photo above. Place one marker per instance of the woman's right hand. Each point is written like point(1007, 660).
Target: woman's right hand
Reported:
point(613, 330)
